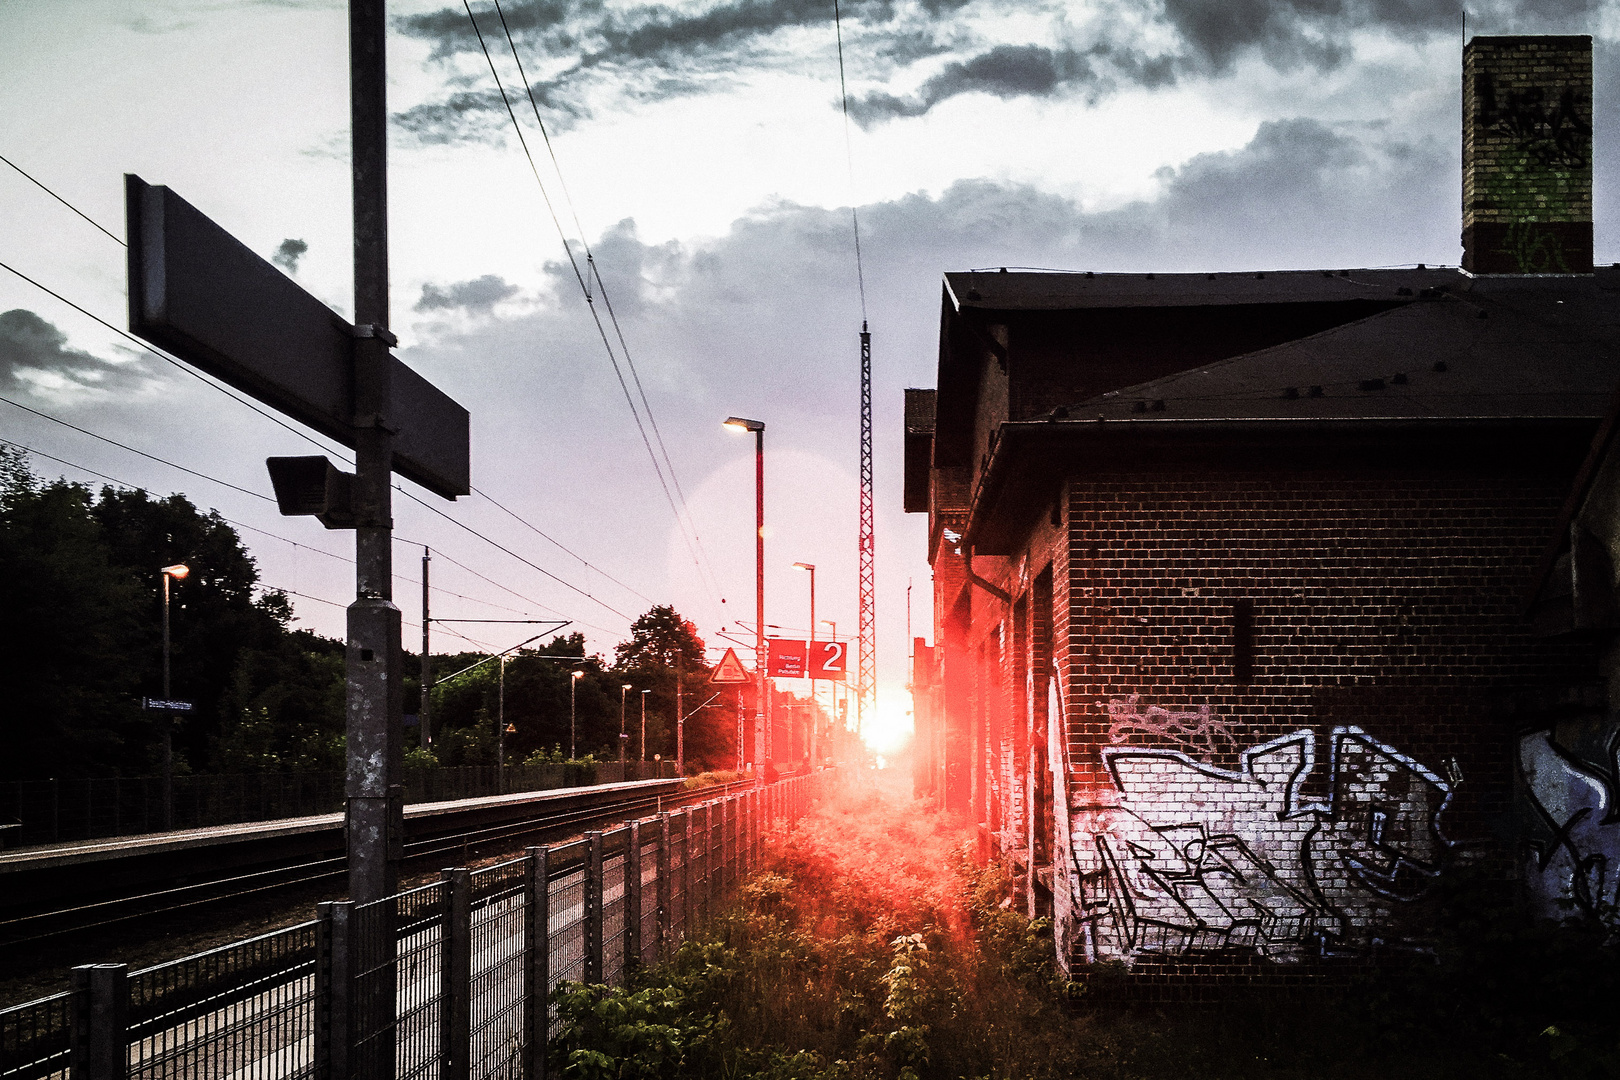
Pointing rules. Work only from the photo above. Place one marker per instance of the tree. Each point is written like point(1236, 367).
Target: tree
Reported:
point(661, 639)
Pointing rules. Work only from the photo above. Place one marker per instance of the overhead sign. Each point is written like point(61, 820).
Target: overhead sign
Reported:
point(203, 295)
point(785, 658)
point(794, 658)
point(828, 660)
point(730, 670)
point(161, 705)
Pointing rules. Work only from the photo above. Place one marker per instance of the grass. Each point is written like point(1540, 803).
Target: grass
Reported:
point(870, 948)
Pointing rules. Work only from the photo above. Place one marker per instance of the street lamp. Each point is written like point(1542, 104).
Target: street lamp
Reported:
point(737, 423)
point(811, 656)
point(573, 698)
point(177, 572)
point(644, 694)
point(623, 690)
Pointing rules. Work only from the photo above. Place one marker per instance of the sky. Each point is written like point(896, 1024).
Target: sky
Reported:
point(701, 151)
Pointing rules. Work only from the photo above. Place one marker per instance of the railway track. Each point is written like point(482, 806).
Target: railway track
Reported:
point(111, 886)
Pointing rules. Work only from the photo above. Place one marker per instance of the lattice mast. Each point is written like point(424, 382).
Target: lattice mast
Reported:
point(866, 673)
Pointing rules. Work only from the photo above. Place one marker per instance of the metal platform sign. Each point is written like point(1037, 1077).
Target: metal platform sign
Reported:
point(730, 670)
point(784, 658)
point(162, 705)
point(203, 295)
point(829, 660)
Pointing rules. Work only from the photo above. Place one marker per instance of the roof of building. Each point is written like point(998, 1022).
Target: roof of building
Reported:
point(1465, 347)
point(1064, 291)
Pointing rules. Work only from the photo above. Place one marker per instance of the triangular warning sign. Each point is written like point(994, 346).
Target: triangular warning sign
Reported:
point(730, 670)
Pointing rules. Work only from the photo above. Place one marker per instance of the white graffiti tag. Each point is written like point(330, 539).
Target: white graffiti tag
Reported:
point(1196, 857)
point(1575, 869)
point(1195, 732)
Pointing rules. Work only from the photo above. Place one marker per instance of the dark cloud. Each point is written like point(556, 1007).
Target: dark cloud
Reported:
point(34, 352)
point(287, 254)
point(477, 296)
point(656, 51)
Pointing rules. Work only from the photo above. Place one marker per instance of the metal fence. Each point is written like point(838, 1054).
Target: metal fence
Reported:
point(50, 811)
point(448, 981)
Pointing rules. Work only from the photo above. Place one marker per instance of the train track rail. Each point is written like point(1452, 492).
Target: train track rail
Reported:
point(112, 885)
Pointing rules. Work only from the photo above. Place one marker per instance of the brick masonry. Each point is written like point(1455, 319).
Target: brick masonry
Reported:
point(1309, 812)
point(1527, 155)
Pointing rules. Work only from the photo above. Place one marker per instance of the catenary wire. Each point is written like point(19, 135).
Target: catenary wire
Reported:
point(607, 302)
point(25, 175)
point(585, 288)
point(849, 156)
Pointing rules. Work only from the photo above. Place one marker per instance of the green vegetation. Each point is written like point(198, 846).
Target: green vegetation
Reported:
point(869, 949)
point(81, 644)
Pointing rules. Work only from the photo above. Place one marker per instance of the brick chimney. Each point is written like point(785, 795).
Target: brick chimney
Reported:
point(1527, 155)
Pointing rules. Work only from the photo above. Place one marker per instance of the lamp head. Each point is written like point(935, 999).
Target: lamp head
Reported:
point(578, 675)
point(737, 423)
point(626, 686)
point(804, 566)
point(178, 571)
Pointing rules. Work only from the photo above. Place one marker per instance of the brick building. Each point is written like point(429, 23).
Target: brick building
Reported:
point(1231, 648)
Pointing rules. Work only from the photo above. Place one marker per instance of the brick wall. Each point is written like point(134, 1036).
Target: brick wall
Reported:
point(1527, 155)
point(1310, 811)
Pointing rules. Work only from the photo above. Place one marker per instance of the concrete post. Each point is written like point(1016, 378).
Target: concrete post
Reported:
point(665, 937)
point(537, 962)
point(455, 1007)
point(593, 909)
point(335, 978)
point(99, 1039)
point(632, 901)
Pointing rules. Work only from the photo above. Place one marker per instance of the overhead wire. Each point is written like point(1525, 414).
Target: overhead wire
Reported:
point(228, 392)
point(683, 521)
point(39, 184)
point(849, 156)
point(601, 286)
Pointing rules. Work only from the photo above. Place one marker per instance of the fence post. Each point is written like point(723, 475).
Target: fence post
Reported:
point(632, 901)
point(100, 1020)
point(593, 908)
point(662, 884)
point(335, 975)
point(725, 848)
point(686, 872)
point(708, 860)
point(537, 961)
point(455, 958)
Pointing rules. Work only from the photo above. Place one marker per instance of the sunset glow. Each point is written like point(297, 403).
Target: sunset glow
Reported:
point(889, 729)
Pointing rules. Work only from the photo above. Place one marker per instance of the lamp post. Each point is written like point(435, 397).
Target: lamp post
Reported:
point(573, 700)
point(737, 423)
point(811, 657)
point(644, 694)
point(623, 690)
point(176, 572)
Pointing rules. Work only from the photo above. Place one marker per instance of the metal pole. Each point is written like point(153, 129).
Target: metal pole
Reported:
point(624, 688)
point(760, 749)
point(644, 694)
point(500, 732)
point(813, 721)
point(680, 725)
point(573, 696)
point(167, 722)
point(424, 711)
point(375, 817)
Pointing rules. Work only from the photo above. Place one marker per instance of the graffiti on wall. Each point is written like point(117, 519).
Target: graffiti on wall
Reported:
point(1195, 731)
point(1575, 831)
point(1193, 857)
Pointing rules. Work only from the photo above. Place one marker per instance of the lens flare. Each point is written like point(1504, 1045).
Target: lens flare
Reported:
point(889, 728)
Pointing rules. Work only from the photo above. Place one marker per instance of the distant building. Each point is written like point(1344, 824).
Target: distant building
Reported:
point(1232, 651)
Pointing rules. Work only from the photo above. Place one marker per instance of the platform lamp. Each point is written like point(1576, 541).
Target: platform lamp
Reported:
point(573, 712)
point(738, 423)
point(644, 694)
point(810, 657)
point(177, 572)
point(623, 690)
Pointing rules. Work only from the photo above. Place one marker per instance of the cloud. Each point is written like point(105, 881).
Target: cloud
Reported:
point(34, 355)
point(478, 296)
point(288, 253)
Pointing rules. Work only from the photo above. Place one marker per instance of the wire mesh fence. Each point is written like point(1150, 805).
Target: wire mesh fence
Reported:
point(449, 980)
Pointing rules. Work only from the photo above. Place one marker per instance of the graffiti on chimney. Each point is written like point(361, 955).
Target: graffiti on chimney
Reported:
point(1191, 857)
point(1575, 827)
point(1553, 135)
point(1195, 731)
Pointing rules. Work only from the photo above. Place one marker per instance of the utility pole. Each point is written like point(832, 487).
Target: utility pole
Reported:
point(424, 712)
point(866, 671)
point(680, 725)
point(375, 811)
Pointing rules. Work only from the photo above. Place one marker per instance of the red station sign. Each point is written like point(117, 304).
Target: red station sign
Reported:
point(795, 658)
